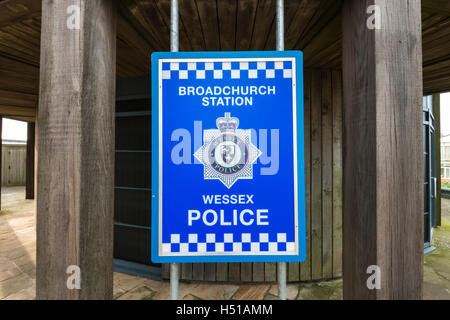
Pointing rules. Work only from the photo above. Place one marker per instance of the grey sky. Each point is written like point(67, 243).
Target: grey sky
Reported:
point(445, 114)
point(14, 130)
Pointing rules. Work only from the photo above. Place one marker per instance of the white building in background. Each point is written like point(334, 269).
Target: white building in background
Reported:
point(445, 158)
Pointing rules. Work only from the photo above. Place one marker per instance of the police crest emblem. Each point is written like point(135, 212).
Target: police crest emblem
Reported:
point(228, 153)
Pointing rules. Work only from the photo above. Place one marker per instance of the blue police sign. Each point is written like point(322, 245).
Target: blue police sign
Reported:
point(228, 179)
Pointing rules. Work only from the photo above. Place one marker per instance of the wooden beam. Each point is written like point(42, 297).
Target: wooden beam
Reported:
point(437, 6)
point(12, 11)
point(75, 202)
point(29, 194)
point(20, 118)
point(18, 99)
point(13, 111)
point(383, 162)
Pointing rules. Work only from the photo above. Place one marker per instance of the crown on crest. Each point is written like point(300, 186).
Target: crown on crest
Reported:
point(227, 123)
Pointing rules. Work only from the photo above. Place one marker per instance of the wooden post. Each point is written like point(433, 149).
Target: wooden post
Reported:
point(437, 157)
point(1, 157)
point(36, 144)
point(76, 150)
point(29, 194)
point(383, 150)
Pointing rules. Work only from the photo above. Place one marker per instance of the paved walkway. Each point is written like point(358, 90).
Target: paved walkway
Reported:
point(17, 245)
point(445, 206)
point(18, 265)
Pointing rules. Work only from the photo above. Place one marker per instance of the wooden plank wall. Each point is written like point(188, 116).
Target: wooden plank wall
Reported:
point(323, 152)
point(14, 165)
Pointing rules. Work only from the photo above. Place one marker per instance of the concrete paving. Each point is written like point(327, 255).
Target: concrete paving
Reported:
point(18, 267)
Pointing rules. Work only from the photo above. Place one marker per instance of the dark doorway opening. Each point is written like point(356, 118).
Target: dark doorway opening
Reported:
point(430, 180)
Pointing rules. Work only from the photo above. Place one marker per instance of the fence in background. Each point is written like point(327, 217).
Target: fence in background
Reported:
point(14, 164)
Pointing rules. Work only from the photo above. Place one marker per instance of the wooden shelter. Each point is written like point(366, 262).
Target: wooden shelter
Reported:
point(363, 122)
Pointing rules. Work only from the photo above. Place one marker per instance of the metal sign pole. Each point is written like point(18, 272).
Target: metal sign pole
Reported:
point(174, 276)
point(174, 29)
point(281, 280)
point(280, 25)
point(280, 47)
point(174, 46)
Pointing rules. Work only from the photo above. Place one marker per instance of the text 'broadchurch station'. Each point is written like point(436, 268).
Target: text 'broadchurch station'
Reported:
point(227, 95)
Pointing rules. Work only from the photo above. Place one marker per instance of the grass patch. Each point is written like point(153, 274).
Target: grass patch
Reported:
point(445, 226)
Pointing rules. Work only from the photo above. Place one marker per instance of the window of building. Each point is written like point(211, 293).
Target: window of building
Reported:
point(445, 173)
point(445, 152)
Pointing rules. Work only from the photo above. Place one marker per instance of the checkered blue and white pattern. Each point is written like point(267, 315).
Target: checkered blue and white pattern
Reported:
point(228, 243)
point(227, 70)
